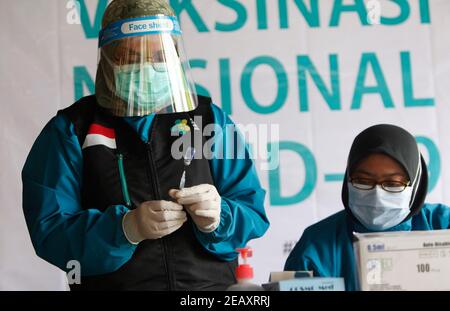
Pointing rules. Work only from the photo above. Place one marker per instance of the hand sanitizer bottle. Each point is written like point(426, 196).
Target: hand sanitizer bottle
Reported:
point(244, 273)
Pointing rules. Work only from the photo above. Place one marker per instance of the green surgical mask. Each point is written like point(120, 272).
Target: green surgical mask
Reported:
point(145, 88)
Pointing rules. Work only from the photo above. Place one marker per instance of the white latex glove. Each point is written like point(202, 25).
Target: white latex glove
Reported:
point(153, 220)
point(202, 203)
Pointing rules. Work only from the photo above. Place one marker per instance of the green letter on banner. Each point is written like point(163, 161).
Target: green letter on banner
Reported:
point(425, 12)
point(402, 17)
point(91, 30)
point(282, 80)
point(241, 16)
point(311, 17)
point(225, 85)
point(408, 92)
point(333, 97)
point(81, 77)
point(381, 87)
point(310, 175)
point(339, 7)
point(180, 5)
point(261, 11)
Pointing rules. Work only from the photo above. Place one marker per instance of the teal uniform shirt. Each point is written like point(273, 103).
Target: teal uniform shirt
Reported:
point(326, 247)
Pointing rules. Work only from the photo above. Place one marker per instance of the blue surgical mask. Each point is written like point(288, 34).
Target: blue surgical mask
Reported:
point(142, 87)
point(378, 209)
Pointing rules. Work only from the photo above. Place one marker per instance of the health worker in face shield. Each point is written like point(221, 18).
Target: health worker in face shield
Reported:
point(102, 185)
point(384, 189)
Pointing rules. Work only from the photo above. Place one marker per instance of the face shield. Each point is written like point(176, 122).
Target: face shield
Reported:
point(142, 68)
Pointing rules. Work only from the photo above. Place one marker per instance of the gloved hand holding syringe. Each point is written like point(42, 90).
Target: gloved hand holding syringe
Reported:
point(202, 202)
point(187, 159)
point(156, 219)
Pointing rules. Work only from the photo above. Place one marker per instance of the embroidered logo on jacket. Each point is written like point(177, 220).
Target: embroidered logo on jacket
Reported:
point(180, 127)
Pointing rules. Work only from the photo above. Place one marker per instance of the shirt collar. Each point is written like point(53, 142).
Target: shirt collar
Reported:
point(141, 125)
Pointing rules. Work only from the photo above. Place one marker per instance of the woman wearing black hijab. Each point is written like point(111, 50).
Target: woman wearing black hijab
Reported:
point(384, 189)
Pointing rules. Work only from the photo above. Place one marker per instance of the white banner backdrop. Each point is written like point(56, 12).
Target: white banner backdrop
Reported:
point(318, 69)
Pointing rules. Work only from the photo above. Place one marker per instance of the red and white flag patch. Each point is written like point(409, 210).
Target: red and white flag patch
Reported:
point(100, 135)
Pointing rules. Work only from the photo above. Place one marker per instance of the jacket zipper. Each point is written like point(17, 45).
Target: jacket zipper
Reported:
point(158, 197)
point(123, 180)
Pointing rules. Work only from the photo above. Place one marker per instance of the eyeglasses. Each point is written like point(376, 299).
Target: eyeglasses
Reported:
point(388, 185)
point(128, 57)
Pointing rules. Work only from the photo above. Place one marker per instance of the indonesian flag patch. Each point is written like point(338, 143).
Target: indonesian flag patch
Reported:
point(100, 135)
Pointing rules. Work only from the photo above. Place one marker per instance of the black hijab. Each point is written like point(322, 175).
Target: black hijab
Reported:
point(401, 146)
